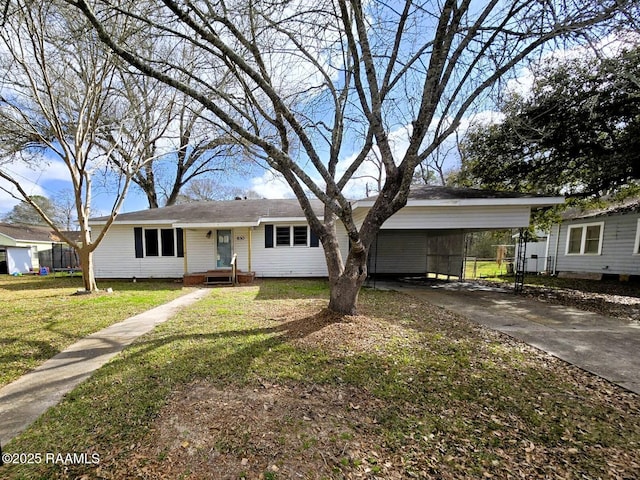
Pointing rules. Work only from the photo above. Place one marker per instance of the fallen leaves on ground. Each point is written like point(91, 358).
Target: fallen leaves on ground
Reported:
point(446, 428)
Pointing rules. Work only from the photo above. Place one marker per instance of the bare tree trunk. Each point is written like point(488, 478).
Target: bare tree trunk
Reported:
point(344, 289)
point(345, 281)
point(86, 263)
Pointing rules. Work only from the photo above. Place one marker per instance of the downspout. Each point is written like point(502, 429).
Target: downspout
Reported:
point(184, 250)
point(546, 252)
point(249, 249)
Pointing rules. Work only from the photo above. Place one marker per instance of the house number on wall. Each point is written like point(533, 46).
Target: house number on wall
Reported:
point(240, 238)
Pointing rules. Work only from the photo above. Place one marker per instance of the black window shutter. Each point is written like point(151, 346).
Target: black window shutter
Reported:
point(137, 235)
point(268, 236)
point(180, 242)
point(314, 241)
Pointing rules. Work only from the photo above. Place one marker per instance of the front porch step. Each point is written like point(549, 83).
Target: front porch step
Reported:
point(210, 277)
point(218, 277)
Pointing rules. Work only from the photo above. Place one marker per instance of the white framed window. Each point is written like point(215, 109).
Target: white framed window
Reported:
point(283, 236)
point(151, 242)
point(300, 236)
point(636, 245)
point(585, 239)
point(292, 236)
point(289, 236)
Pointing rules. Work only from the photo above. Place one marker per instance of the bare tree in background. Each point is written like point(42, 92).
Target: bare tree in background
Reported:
point(65, 205)
point(305, 75)
point(444, 159)
point(205, 189)
point(173, 133)
point(58, 92)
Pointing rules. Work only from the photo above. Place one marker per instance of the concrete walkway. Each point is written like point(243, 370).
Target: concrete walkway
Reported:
point(605, 346)
point(24, 400)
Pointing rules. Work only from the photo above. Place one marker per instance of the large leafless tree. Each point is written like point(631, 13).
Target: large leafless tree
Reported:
point(58, 94)
point(305, 75)
point(174, 133)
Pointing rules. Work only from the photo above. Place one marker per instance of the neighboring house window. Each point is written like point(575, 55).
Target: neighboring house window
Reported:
point(585, 239)
point(636, 248)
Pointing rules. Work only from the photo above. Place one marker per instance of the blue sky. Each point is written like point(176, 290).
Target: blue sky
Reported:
point(52, 177)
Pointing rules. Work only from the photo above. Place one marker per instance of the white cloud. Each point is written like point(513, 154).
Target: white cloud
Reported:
point(271, 185)
point(33, 180)
point(608, 47)
point(485, 117)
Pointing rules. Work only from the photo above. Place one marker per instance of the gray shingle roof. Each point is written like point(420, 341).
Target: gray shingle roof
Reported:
point(252, 210)
point(29, 233)
point(228, 211)
point(616, 208)
point(433, 192)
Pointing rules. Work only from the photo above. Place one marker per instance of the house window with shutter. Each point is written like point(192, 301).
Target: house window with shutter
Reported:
point(636, 248)
point(300, 236)
point(151, 242)
point(289, 236)
point(283, 236)
point(167, 242)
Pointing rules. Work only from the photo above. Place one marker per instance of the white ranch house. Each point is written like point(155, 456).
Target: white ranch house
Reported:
point(273, 239)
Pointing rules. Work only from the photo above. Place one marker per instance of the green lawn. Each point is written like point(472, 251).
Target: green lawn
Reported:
point(485, 269)
point(261, 382)
point(40, 316)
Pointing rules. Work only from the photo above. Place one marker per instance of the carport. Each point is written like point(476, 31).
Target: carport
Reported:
point(428, 235)
point(417, 252)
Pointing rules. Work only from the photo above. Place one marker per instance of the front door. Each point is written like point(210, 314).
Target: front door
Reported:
point(223, 249)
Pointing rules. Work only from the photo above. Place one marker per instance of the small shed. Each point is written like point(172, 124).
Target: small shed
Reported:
point(15, 260)
point(536, 253)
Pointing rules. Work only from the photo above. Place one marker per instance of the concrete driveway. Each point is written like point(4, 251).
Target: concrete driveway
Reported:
point(605, 346)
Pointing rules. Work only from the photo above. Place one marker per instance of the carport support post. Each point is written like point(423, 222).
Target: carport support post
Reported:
point(520, 261)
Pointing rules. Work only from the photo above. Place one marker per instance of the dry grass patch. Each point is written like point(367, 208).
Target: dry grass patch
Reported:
point(289, 431)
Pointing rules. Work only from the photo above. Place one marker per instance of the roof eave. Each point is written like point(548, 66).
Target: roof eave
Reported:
point(214, 224)
point(186, 224)
point(461, 202)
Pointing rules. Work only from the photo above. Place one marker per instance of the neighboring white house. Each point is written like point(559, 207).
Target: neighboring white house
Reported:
point(20, 246)
point(273, 239)
point(597, 242)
